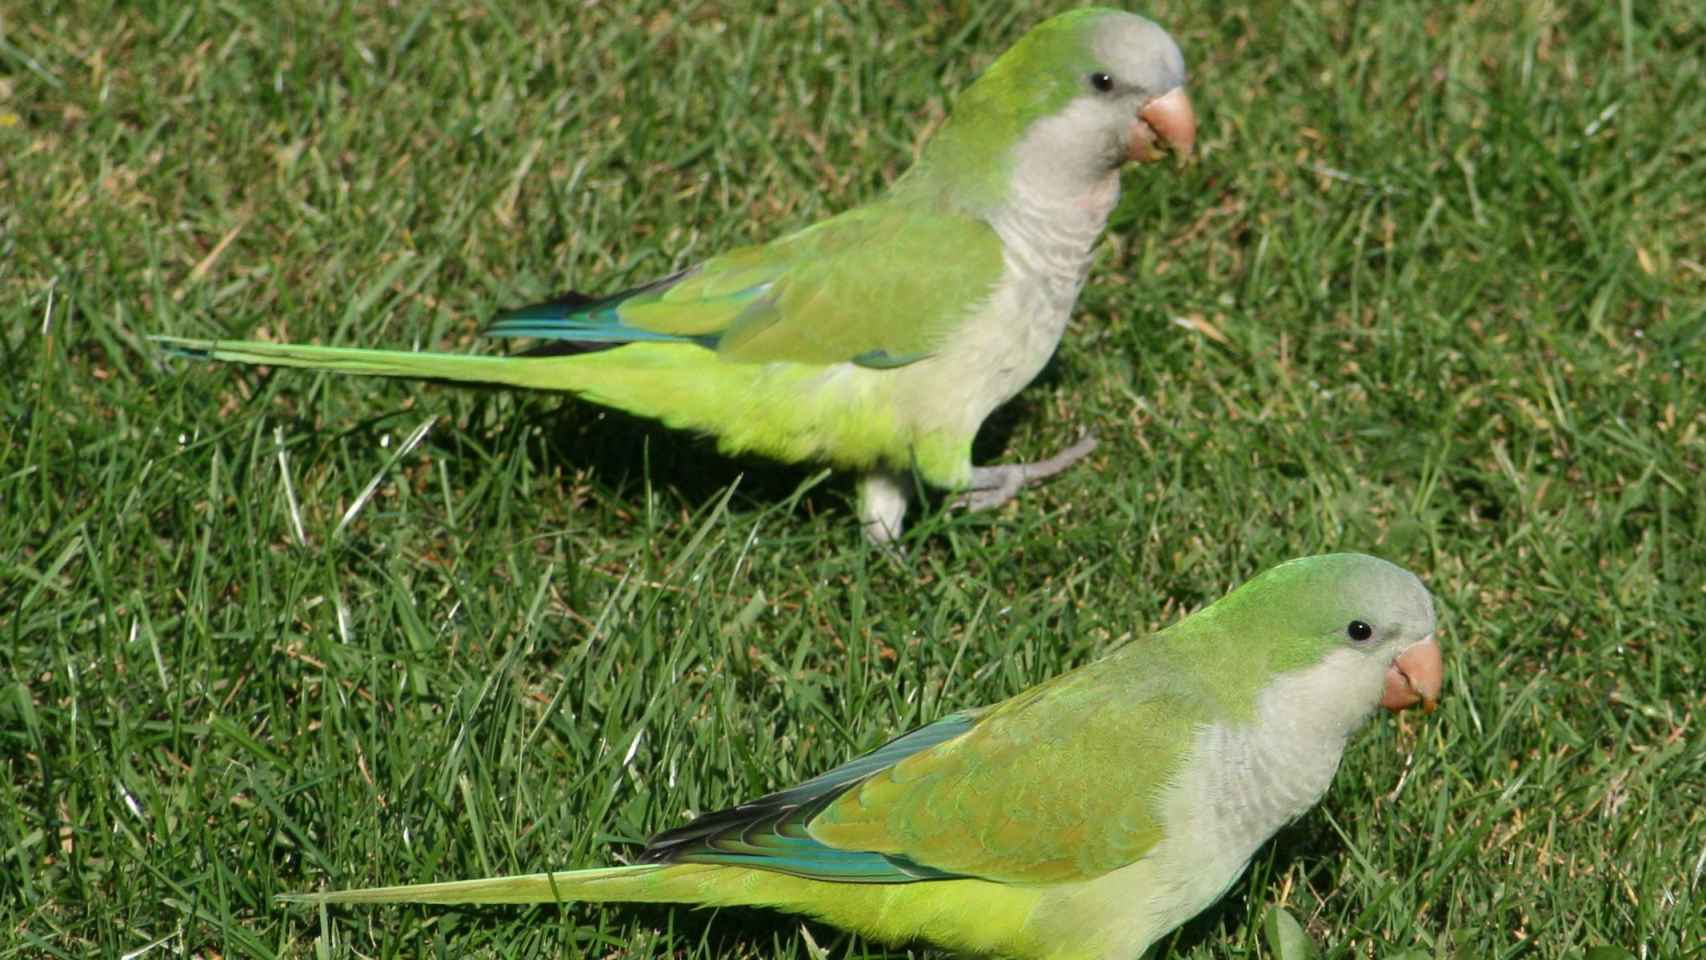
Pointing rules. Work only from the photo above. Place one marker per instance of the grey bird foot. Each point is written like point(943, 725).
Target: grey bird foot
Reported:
point(994, 486)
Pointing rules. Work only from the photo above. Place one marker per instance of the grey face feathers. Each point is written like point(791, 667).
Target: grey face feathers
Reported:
point(1138, 57)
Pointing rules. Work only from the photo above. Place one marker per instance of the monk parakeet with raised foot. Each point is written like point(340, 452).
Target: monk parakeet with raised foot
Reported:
point(1085, 817)
point(877, 340)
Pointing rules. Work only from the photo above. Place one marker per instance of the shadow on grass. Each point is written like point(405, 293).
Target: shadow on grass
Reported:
point(722, 931)
point(560, 438)
point(622, 454)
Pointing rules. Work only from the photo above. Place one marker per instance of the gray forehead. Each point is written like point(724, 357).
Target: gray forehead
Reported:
point(1401, 591)
point(1138, 51)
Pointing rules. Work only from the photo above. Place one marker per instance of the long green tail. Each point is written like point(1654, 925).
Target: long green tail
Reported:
point(539, 373)
point(690, 883)
point(786, 411)
point(650, 882)
point(972, 915)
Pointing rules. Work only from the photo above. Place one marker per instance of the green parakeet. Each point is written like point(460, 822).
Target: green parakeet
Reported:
point(1083, 818)
point(877, 340)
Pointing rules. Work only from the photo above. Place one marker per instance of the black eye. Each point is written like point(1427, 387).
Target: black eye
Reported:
point(1101, 81)
point(1359, 631)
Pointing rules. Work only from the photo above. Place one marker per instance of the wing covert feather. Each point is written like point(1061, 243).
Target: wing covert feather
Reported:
point(881, 285)
point(876, 282)
point(1056, 785)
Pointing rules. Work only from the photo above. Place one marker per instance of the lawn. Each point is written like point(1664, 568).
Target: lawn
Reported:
point(1434, 288)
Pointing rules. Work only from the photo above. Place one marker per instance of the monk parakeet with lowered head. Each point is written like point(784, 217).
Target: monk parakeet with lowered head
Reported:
point(877, 340)
point(1085, 817)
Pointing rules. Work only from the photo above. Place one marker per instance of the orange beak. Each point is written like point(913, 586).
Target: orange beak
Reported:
point(1165, 123)
point(1415, 677)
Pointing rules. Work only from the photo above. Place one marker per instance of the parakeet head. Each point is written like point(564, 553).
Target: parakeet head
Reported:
point(1337, 634)
point(1082, 92)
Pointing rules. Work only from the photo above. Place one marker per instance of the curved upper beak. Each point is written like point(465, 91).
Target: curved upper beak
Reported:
point(1415, 677)
point(1165, 123)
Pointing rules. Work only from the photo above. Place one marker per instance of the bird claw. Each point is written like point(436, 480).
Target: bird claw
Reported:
point(993, 486)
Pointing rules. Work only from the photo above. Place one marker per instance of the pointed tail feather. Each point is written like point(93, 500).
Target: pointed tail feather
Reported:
point(535, 372)
point(689, 883)
point(612, 883)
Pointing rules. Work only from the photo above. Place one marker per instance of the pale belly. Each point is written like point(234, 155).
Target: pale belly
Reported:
point(989, 359)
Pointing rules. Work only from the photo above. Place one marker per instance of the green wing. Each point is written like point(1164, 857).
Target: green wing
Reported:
point(1056, 784)
point(769, 833)
point(880, 285)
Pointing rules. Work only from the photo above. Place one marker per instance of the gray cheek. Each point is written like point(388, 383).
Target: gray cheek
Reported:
point(1114, 146)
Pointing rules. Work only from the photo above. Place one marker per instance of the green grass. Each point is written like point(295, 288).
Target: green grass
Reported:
point(1433, 288)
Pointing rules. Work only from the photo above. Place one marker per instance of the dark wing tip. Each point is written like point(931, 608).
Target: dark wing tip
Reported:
point(702, 831)
point(780, 812)
point(556, 308)
point(571, 303)
point(789, 812)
